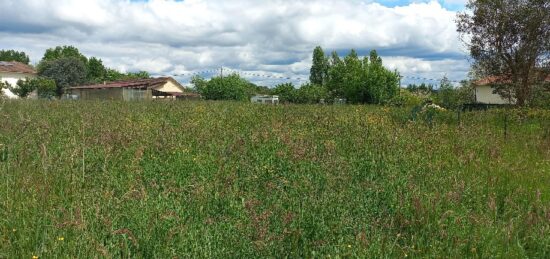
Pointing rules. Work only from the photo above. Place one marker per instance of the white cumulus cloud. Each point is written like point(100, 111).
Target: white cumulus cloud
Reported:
point(173, 37)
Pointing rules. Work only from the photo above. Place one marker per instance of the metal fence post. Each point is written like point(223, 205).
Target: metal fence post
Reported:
point(506, 124)
point(459, 112)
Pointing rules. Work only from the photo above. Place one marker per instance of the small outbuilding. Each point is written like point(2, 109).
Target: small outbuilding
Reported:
point(265, 99)
point(130, 90)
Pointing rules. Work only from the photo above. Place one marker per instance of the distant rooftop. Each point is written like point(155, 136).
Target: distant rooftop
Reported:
point(16, 67)
point(136, 83)
point(502, 79)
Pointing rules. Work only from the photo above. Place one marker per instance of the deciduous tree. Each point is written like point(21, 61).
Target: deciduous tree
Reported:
point(363, 80)
point(310, 94)
point(96, 70)
point(63, 52)
point(66, 72)
point(45, 87)
point(509, 41)
point(319, 69)
point(12, 55)
point(231, 87)
point(286, 92)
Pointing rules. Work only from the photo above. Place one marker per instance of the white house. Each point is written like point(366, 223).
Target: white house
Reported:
point(265, 99)
point(11, 72)
point(485, 92)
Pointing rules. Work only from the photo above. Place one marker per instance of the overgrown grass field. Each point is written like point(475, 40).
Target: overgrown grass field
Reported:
point(236, 180)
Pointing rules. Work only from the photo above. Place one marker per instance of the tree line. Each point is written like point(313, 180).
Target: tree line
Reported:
point(63, 67)
point(355, 79)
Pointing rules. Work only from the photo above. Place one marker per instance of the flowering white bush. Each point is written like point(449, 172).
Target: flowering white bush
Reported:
point(435, 107)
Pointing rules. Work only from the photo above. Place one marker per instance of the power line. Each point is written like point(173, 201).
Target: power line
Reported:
point(428, 79)
point(269, 75)
point(265, 75)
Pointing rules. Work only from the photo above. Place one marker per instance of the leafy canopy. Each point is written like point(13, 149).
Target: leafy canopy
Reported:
point(66, 72)
point(12, 55)
point(363, 80)
point(45, 87)
point(231, 87)
point(510, 41)
point(63, 52)
point(68, 67)
point(319, 69)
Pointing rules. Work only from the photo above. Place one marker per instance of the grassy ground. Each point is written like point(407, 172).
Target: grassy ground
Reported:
point(91, 179)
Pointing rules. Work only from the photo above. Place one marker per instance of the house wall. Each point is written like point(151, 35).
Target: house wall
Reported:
point(484, 94)
point(114, 94)
point(12, 78)
point(136, 94)
point(99, 94)
point(169, 87)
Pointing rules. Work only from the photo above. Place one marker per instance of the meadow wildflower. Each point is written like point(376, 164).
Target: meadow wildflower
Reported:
point(60, 238)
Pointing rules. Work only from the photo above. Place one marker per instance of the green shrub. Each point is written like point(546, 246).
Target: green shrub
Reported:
point(45, 88)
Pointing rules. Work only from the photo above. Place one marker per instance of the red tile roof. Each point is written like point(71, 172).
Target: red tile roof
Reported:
point(496, 79)
point(137, 83)
point(16, 67)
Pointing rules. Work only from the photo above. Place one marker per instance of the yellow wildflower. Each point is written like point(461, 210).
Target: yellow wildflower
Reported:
point(60, 238)
point(349, 246)
point(34, 257)
point(14, 230)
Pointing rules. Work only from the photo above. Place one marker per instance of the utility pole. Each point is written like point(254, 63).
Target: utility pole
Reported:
point(221, 72)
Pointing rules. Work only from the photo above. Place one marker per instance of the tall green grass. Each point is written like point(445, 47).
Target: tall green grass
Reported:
point(221, 179)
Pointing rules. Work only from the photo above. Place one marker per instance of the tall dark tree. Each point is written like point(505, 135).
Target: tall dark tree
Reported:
point(66, 72)
point(93, 68)
point(354, 87)
point(63, 52)
point(12, 55)
point(509, 40)
point(335, 76)
point(319, 68)
point(382, 84)
point(96, 70)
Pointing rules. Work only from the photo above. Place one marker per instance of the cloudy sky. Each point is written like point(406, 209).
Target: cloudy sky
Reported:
point(268, 37)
